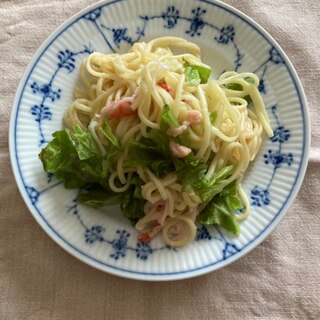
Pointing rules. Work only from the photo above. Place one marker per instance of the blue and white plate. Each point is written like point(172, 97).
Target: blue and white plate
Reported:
point(229, 40)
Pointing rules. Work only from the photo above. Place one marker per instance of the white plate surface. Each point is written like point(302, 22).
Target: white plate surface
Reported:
point(229, 41)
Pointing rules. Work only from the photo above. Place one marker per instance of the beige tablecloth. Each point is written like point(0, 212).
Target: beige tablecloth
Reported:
point(280, 279)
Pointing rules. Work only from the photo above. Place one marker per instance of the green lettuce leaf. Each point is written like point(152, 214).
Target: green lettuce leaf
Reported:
point(150, 152)
point(192, 76)
point(249, 80)
point(108, 133)
point(168, 120)
point(192, 175)
point(238, 86)
point(160, 140)
point(98, 197)
point(153, 152)
point(217, 213)
point(234, 86)
point(196, 74)
point(84, 143)
point(231, 197)
point(215, 184)
point(221, 210)
point(191, 172)
point(74, 157)
point(213, 117)
point(132, 203)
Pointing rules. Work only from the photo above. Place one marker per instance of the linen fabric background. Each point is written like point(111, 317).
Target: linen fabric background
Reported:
point(280, 279)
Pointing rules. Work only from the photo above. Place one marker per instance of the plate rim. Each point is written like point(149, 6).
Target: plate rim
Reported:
point(150, 276)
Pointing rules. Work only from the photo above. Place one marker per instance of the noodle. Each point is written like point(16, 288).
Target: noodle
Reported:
point(131, 92)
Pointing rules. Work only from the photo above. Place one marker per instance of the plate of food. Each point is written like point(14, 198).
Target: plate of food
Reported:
point(159, 140)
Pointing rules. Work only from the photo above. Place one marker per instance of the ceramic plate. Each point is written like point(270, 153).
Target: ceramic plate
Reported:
point(229, 40)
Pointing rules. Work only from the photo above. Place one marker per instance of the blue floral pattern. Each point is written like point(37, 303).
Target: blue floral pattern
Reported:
point(46, 91)
point(274, 157)
point(280, 135)
point(93, 15)
point(41, 111)
point(229, 250)
point(197, 22)
point(120, 244)
point(119, 35)
point(94, 234)
point(34, 194)
point(259, 197)
point(143, 250)
point(203, 233)
point(171, 17)
point(274, 57)
point(226, 34)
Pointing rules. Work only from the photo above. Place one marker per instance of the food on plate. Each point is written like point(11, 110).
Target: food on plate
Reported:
point(151, 131)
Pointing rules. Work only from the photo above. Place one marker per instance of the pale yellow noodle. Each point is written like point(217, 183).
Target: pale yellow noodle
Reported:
point(233, 137)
